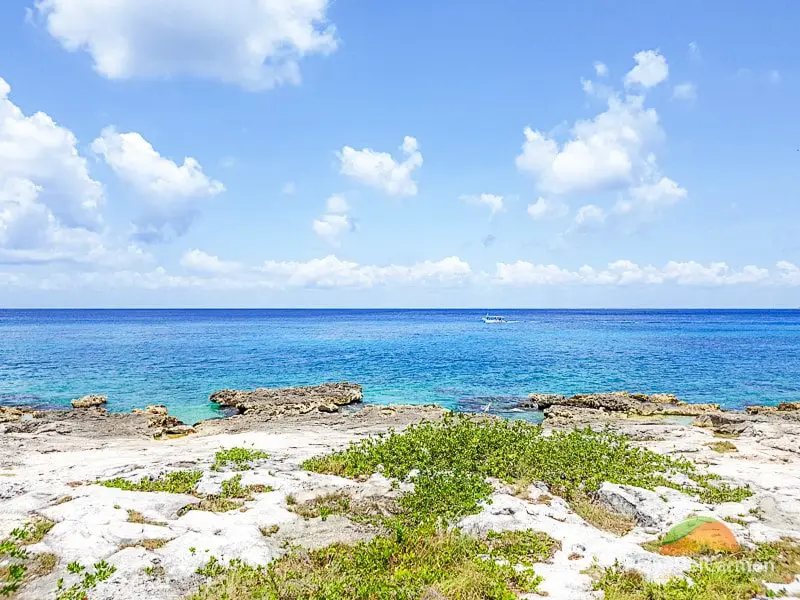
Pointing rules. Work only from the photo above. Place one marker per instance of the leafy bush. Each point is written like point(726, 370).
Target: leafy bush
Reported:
point(572, 463)
point(240, 458)
point(177, 482)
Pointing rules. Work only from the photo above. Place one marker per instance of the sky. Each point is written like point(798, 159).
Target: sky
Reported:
point(353, 153)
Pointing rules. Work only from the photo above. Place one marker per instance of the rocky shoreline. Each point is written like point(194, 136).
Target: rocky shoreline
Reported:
point(51, 461)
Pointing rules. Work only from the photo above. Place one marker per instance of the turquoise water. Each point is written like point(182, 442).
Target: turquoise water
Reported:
point(178, 357)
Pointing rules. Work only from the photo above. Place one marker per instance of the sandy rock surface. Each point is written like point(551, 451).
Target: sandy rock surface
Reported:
point(49, 467)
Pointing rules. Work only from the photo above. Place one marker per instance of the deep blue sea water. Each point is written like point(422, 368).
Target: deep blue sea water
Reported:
point(178, 357)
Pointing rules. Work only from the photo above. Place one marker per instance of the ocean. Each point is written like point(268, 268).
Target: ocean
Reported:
point(447, 357)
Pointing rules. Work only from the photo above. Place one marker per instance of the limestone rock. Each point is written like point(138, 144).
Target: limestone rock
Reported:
point(541, 401)
point(10, 414)
point(725, 423)
point(274, 402)
point(90, 401)
point(783, 407)
point(622, 403)
point(643, 506)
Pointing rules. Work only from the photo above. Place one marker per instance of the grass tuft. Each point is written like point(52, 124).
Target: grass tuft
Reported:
point(723, 446)
point(602, 518)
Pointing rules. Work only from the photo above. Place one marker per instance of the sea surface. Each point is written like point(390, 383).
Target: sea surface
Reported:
point(448, 357)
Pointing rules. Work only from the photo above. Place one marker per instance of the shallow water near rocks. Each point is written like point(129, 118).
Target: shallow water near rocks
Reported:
point(447, 357)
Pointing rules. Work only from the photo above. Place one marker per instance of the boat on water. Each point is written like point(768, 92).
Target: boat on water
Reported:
point(494, 319)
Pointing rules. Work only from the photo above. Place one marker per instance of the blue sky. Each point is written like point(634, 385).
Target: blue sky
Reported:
point(355, 153)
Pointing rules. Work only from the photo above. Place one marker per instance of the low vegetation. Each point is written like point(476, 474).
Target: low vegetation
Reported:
point(177, 482)
point(722, 447)
point(89, 578)
point(372, 510)
point(600, 517)
point(147, 543)
point(571, 463)
point(137, 517)
point(739, 576)
point(412, 563)
point(239, 459)
point(20, 565)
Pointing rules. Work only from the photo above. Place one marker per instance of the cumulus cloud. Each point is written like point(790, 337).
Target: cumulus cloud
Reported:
point(589, 215)
point(545, 208)
point(380, 170)
point(650, 70)
point(336, 221)
point(50, 206)
point(600, 69)
point(694, 51)
point(604, 152)
point(208, 272)
point(197, 260)
point(255, 44)
point(611, 152)
point(625, 272)
point(171, 191)
point(684, 91)
point(492, 201)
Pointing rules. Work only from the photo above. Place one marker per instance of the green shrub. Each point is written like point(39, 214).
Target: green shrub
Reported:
point(240, 459)
point(407, 566)
point(572, 463)
point(177, 482)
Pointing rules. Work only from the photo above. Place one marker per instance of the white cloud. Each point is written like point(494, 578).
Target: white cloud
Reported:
point(335, 222)
point(332, 226)
point(612, 152)
point(625, 272)
point(49, 204)
point(788, 272)
point(600, 69)
point(135, 160)
point(197, 260)
point(604, 152)
point(337, 204)
point(774, 76)
point(685, 91)
point(588, 215)
point(493, 201)
point(381, 170)
point(545, 208)
point(650, 70)
point(255, 44)
point(664, 192)
point(212, 273)
point(171, 190)
point(694, 51)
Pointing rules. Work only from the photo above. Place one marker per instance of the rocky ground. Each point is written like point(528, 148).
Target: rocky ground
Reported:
point(50, 463)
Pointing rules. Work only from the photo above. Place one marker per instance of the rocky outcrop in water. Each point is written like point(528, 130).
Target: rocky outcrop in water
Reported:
point(593, 405)
point(90, 401)
point(274, 402)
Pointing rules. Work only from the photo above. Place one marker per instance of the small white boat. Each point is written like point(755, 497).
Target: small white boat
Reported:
point(493, 319)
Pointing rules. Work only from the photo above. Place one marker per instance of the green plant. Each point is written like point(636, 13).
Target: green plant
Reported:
point(443, 497)
point(722, 492)
point(154, 571)
point(137, 517)
point(739, 576)
point(233, 488)
point(177, 482)
point(521, 547)
point(572, 463)
point(411, 564)
point(91, 577)
point(601, 517)
point(19, 563)
point(240, 458)
point(722, 447)
point(269, 530)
